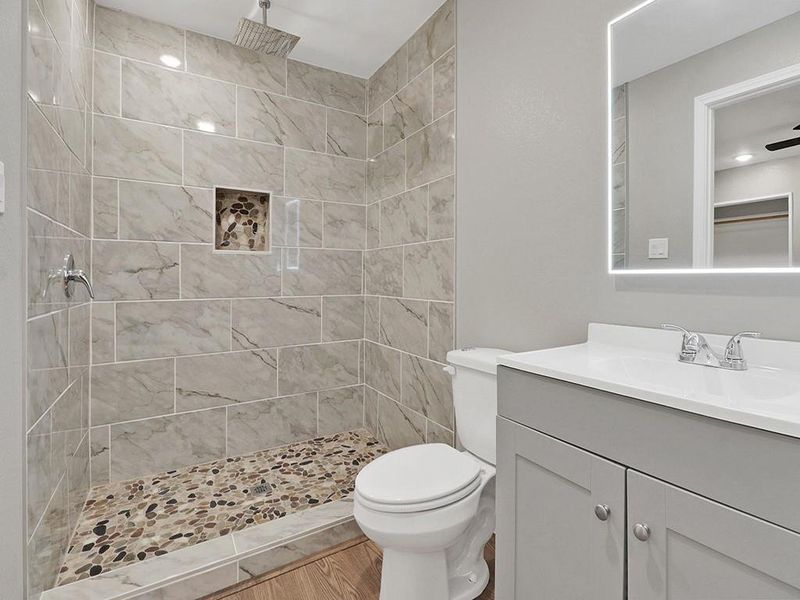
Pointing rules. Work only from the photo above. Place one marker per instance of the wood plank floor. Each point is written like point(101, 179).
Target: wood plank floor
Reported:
point(353, 573)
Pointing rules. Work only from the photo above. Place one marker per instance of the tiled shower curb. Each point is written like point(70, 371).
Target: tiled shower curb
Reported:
point(208, 567)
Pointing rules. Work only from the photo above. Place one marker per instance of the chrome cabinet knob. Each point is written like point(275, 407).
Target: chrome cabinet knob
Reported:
point(641, 531)
point(602, 512)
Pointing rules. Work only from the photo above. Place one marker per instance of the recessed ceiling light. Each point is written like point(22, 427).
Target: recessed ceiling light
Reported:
point(743, 158)
point(171, 61)
point(206, 126)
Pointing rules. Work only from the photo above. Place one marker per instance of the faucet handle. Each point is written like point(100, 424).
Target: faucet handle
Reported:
point(691, 341)
point(733, 350)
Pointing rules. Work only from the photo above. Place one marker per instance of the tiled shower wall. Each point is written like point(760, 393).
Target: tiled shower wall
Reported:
point(619, 177)
point(196, 354)
point(409, 264)
point(58, 221)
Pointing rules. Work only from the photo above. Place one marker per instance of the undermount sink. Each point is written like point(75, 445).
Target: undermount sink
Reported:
point(643, 364)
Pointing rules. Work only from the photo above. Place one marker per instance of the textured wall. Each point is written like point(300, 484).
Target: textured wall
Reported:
point(199, 355)
point(409, 264)
point(59, 220)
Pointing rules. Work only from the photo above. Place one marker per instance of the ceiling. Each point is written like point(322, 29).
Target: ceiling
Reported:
point(668, 31)
point(351, 36)
point(746, 127)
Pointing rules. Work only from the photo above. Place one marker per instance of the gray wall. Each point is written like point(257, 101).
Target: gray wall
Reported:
point(531, 249)
point(661, 134)
point(12, 489)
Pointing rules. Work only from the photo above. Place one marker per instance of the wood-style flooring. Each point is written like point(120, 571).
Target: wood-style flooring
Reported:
point(351, 572)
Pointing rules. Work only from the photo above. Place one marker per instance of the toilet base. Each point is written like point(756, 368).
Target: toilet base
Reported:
point(414, 575)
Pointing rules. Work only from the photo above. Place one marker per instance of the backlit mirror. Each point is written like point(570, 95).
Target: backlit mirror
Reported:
point(704, 137)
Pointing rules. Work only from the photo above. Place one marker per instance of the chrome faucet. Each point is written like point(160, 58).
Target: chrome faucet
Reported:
point(695, 350)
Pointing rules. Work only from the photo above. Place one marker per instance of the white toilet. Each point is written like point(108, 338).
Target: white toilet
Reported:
point(430, 507)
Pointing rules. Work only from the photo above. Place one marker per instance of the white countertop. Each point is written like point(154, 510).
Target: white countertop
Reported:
point(643, 363)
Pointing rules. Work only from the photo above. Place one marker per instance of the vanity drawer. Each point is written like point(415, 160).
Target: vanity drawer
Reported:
point(755, 471)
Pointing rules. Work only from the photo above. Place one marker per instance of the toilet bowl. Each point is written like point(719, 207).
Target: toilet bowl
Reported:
point(430, 507)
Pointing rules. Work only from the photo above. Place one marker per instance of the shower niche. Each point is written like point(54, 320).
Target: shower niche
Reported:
point(242, 221)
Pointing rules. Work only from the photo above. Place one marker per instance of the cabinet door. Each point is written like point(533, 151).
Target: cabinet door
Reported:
point(700, 550)
point(550, 543)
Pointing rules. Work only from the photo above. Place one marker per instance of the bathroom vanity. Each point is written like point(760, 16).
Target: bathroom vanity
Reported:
point(623, 473)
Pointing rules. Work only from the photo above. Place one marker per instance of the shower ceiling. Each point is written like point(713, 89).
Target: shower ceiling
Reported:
point(352, 36)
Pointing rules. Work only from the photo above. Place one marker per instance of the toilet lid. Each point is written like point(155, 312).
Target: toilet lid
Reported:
point(417, 474)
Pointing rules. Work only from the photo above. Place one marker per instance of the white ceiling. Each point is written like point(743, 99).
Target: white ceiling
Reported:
point(746, 127)
point(351, 36)
point(668, 31)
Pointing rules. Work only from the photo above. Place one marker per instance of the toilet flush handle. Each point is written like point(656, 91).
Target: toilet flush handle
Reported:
point(449, 370)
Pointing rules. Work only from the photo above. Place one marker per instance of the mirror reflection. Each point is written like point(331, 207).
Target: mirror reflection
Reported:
point(705, 135)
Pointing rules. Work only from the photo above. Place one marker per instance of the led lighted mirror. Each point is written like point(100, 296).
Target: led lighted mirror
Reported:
point(704, 137)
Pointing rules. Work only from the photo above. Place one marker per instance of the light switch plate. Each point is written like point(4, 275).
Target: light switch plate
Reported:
point(659, 248)
point(2, 188)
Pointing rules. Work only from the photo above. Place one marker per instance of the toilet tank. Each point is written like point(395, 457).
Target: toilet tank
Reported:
point(474, 372)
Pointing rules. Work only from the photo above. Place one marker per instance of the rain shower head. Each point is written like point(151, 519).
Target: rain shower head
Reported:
point(262, 38)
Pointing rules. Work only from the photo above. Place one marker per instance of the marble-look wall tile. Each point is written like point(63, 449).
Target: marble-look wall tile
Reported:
point(387, 80)
point(373, 225)
point(442, 209)
point(344, 226)
point(619, 141)
point(67, 423)
point(404, 325)
point(136, 390)
point(157, 329)
point(341, 410)
point(383, 369)
point(444, 84)
point(327, 87)
point(141, 448)
point(261, 425)
point(386, 173)
point(105, 205)
point(323, 177)
point(342, 318)
point(371, 400)
point(428, 390)
point(222, 379)
point(441, 332)
point(619, 102)
point(410, 110)
point(383, 271)
point(48, 543)
point(398, 426)
point(279, 120)
point(107, 83)
point(322, 272)
point(136, 150)
point(436, 434)
point(272, 322)
point(619, 185)
point(100, 447)
point(431, 152)
point(429, 270)
point(375, 133)
point(149, 211)
point(318, 367)
point(347, 134)
point(404, 218)
point(79, 339)
point(135, 270)
point(618, 230)
point(296, 223)
point(41, 478)
point(211, 160)
point(209, 274)
point(48, 371)
point(128, 35)
point(103, 332)
point(372, 318)
point(80, 200)
point(221, 59)
point(160, 95)
point(433, 39)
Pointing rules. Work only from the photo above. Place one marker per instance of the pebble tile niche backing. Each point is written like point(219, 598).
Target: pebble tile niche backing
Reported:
point(135, 520)
point(242, 221)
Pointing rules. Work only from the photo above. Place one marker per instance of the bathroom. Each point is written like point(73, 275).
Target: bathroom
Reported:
point(317, 318)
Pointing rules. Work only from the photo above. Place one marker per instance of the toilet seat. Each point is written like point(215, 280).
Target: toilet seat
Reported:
point(418, 478)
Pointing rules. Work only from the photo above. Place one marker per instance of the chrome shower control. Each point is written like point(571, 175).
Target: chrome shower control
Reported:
point(68, 275)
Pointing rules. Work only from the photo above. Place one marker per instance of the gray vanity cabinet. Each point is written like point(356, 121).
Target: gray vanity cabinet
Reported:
point(700, 550)
point(561, 520)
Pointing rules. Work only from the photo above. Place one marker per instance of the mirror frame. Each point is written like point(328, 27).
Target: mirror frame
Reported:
point(703, 160)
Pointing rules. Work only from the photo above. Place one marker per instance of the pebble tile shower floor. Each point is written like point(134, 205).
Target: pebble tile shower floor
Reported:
point(130, 521)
